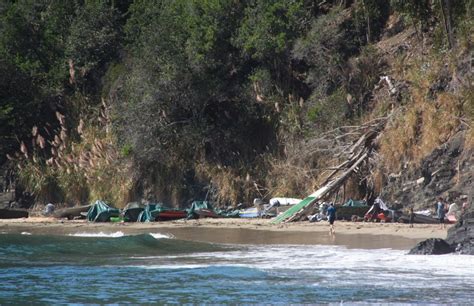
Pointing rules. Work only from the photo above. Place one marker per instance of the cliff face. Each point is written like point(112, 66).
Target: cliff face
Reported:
point(426, 150)
point(448, 171)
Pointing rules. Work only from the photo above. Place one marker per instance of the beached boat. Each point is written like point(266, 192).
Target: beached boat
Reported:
point(255, 212)
point(132, 211)
point(158, 212)
point(206, 213)
point(13, 213)
point(72, 212)
point(101, 212)
point(251, 212)
point(170, 214)
point(419, 218)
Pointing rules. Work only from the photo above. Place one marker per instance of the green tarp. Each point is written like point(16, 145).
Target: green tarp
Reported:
point(352, 203)
point(293, 210)
point(150, 212)
point(197, 205)
point(205, 205)
point(101, 212)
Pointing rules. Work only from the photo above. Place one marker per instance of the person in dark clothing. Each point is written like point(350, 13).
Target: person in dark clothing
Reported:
point(412, 217)
point(331, 218)
point(440, 211)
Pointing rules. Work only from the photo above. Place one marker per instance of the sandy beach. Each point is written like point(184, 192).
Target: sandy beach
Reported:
point(244, 231)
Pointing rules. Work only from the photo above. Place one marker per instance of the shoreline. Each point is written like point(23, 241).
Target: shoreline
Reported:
point(364, 235)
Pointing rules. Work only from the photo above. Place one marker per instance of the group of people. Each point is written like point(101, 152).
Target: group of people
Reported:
point(441, 208)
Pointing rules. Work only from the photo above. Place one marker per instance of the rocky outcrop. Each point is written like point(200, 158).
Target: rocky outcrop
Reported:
point(448, 171)
point(433, 246)
point(461, 236)
point(460, 239)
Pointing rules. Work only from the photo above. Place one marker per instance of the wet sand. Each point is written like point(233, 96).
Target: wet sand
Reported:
point(245, 231)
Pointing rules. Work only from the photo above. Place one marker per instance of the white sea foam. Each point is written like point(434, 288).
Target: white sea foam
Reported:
point(25, 233)
point(437, 279)
point(100, 234)
point(161, 236)
point(381, 266)
point(177, 266)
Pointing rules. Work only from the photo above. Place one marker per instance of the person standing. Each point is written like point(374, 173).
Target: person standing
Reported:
point(440, 211)
point(412, 217)
point(331, 218)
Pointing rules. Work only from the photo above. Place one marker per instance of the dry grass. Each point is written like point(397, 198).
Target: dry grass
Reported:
point(229, 186)
point(75, 172)
point(425, 123)
point(288, 180)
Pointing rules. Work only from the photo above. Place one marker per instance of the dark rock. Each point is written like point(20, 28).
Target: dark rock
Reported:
point(455, 146)
point(461, 236)
point(441, 84)
point(432, 246)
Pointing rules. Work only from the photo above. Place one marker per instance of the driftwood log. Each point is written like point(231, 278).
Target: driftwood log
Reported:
point(354, 147)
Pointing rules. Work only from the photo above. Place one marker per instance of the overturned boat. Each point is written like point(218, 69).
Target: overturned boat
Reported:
point(72, 212)
point(13, 213)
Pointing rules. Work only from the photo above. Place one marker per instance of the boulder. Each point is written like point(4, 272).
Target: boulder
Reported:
point(461, 236)
point(432, 246)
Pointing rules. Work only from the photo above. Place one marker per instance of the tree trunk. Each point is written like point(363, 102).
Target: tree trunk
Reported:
point(446, 12)
point(367, 17)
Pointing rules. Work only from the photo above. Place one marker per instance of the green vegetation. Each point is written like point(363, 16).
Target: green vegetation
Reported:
point(176, 100)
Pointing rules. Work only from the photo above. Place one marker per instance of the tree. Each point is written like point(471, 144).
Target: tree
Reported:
point(93, 39)
point(185, 99)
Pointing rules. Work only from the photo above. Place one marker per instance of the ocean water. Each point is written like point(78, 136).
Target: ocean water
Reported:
point(157, 268)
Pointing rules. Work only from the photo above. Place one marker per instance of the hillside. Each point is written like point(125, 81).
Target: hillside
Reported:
point(233, 100)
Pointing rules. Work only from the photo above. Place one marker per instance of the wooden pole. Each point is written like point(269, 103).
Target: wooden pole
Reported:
point(344, 192)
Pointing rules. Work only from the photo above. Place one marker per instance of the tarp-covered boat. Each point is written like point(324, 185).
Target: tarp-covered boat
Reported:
point(204, 209)
point(101, 212)
point(132, 211)
point(354, 203)
point(158, 212)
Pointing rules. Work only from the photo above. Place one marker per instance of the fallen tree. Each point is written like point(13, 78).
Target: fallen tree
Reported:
point(354, 151)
